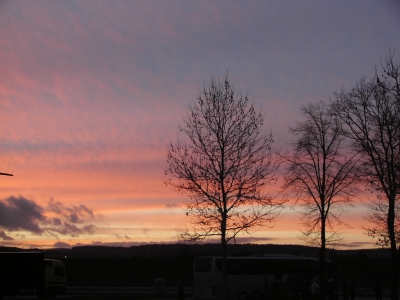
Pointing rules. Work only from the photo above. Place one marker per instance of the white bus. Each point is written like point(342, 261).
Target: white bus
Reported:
point(266, 277)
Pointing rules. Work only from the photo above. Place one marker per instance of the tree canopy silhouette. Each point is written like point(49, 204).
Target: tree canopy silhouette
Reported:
point(371, 113)
point(320, 174)
point(223, 163)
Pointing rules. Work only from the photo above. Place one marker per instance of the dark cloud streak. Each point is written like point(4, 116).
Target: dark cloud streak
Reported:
point(5, 237)
point(75, 214)
point(22, 214)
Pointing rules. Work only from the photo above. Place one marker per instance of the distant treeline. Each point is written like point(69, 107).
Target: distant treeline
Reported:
point(142, 264)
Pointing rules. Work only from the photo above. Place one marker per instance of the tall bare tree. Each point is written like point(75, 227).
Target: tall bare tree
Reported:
point(223, 164)
point(320, 175)
point(371, 111)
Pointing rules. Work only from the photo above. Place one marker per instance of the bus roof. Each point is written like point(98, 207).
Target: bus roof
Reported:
point(267, 256)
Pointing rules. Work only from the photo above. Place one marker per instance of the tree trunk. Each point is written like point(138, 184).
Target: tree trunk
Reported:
point(224, 273)
point(393, 250)
point(322, 278)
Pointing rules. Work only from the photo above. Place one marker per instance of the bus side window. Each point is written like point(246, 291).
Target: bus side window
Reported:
point(203, 264)
point(59, 271)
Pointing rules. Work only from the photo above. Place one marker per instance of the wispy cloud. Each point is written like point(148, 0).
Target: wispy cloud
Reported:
point(171, 205)
point(73, 213)
point(118, 236)
point(61, 245)
point(255, 240)
point(354, 245)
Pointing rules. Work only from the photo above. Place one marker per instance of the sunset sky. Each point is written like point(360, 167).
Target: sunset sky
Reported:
point(92, 91)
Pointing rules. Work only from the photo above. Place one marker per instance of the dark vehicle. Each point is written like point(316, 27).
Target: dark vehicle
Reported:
point(28, 273)
point(256, 277)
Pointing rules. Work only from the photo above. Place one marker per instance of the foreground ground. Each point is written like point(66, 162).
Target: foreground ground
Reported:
point(126, 297)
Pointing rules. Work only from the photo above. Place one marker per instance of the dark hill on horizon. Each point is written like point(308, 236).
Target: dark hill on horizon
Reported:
point(195, 250)
point(140, 265)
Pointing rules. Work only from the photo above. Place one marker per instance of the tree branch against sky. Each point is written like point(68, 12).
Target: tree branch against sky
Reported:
point(224, 164)
point(319, 174)
point(371, 112)
point(377, 227)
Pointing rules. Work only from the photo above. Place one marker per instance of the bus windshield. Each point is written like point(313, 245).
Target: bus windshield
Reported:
point(254, 266)
point(203, 264)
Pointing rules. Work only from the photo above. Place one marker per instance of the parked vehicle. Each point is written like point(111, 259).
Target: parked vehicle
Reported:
point(28, 273)
point(256, 278)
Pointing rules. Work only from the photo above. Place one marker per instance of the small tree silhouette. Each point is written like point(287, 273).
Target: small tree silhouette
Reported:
point(320, 174)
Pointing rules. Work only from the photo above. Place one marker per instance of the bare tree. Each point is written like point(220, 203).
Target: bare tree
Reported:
point(371, 111)
point(223, 165)
point(320, 175)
